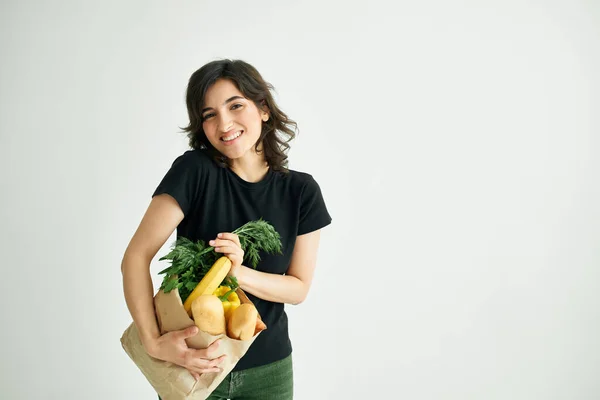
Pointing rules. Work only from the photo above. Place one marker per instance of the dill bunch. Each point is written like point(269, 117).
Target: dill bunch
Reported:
point(190, 261)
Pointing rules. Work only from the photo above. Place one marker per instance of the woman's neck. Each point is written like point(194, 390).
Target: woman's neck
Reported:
point(251, 168)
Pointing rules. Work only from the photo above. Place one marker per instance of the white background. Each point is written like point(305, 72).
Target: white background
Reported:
point(456, 144)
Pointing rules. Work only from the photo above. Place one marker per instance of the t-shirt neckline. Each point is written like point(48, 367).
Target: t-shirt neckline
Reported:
point(251, 185)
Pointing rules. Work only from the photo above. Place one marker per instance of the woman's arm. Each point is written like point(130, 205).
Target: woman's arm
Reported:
point(159, 222)
point(291, 288)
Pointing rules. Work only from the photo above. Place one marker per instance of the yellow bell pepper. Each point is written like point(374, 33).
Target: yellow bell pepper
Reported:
point(231, 302)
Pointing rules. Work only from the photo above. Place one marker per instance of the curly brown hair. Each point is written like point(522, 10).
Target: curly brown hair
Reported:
point(276, 132)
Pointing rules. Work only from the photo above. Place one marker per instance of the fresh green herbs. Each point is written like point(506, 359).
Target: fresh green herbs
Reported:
point(191, 261)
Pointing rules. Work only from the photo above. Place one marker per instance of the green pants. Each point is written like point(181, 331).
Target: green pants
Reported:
point(273, 381)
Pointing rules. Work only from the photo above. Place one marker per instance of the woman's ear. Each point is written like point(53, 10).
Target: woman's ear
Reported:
point(264, 113)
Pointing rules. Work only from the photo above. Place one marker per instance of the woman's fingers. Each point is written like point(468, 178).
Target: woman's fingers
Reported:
point(195, 374)
point(220, 243)
point(230, 249)
point(209, 364)
point(230, 236)
point(202, 370)
point(208, 353)
point(226, 237)
point(205, 358)
point(201, 361)
point(202, 365)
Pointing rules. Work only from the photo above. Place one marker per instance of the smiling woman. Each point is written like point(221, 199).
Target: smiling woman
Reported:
point(232, 126)
point(225, 92)
point(236, 171)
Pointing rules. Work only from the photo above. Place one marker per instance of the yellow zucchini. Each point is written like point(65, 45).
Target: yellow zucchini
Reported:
point(210, 282)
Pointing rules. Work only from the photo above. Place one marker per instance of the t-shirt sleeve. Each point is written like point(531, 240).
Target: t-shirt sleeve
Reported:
point(313, 211)
point(182, 181)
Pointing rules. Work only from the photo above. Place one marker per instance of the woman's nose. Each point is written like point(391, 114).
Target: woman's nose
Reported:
point(225, 122)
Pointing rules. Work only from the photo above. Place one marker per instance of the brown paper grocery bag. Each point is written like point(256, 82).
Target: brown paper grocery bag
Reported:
point(171, 381)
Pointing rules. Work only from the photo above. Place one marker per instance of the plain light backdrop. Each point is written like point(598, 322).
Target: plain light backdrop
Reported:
point(456, 144)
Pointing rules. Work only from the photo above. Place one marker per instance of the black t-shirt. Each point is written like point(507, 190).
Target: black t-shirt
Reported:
point(215, 199)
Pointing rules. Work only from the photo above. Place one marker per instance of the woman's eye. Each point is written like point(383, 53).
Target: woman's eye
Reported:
point(207, 116)
point(235, 106)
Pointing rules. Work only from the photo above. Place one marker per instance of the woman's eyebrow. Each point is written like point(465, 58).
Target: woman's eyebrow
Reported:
point(229, 100)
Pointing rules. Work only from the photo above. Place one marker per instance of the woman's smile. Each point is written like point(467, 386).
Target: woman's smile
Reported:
point(231, 137)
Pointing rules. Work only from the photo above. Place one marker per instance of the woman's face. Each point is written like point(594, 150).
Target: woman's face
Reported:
point(231, 122)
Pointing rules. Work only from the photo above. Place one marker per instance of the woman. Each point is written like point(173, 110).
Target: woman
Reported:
point(235, 172)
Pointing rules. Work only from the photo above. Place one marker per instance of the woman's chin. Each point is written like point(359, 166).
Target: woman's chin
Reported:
point(233, 153)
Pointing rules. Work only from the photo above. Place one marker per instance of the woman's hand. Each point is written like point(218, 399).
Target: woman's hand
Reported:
point(172, 347)
point(229, 244)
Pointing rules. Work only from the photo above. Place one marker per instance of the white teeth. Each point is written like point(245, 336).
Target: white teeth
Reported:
point(234, 136)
